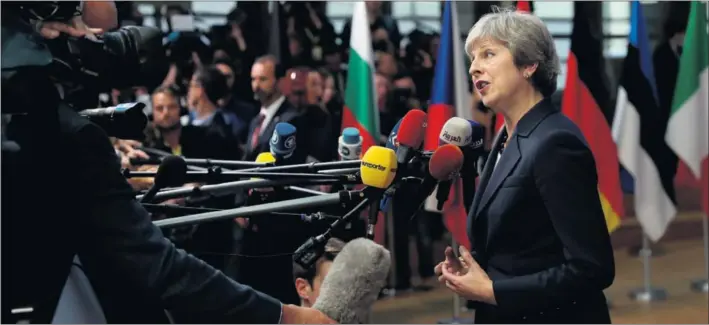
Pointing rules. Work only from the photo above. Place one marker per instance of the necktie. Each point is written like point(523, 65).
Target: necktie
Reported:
point(257, 130)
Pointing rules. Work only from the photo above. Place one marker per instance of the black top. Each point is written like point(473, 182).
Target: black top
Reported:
point(537, 227)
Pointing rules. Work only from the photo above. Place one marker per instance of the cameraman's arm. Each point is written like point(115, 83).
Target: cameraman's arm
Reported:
point(100, 14)
point(120, 240)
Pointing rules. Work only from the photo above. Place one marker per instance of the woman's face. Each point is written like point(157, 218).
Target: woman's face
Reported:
point(328, 90)
point(495, 76)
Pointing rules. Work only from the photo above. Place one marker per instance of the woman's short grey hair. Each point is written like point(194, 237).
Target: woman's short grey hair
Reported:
point(527, 38)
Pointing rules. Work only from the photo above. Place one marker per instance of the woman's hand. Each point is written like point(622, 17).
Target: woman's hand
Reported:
point(473, 284)
point(453, 264)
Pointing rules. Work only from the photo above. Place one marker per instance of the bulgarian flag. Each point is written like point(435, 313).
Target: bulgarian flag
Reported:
point(687, 132)
point(360, 109)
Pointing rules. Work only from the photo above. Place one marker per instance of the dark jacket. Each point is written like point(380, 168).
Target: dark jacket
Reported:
point(288, 114)
point(537, 227)
point(134, 270)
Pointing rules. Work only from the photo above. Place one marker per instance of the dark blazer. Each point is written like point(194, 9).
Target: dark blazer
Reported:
point(286, 113)
point(537, 227)
point(134, 270)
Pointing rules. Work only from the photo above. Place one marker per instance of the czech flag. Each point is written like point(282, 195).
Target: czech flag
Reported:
point(449, 98)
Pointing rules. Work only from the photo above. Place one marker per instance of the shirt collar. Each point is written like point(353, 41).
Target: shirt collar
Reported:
point(270, 110)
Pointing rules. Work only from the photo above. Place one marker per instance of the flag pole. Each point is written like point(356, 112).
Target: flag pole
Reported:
point(647, 293)
point(457, 305)
point(702, 285)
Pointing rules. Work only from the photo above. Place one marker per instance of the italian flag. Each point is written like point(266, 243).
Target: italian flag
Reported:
point(687, 132)
point(687, 128)
point(360, 109)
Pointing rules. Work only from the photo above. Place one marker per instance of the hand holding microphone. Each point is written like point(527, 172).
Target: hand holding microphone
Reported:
point(293, 314)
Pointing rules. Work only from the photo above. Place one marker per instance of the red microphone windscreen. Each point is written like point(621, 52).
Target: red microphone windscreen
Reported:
point(445, 162)
point(412, 129)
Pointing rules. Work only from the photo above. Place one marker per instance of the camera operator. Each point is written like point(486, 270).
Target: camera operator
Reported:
point(230, 43)
point(420, 57)
point(308, 20)
point(88, 209)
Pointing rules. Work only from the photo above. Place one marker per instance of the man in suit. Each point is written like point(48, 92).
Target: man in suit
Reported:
point(541, 252)
point(90, 212)
point(274, 108)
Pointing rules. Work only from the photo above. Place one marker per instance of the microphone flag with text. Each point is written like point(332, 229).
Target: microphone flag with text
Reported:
point(468, 136)
point(349, 144)
point(352, 285)
point(378, 169)
point(283, 142)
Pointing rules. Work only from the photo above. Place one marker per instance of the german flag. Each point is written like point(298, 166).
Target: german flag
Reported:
point(526, 6)
point(586, 98)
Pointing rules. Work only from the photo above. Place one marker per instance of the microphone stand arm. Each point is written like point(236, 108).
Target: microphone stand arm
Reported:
point(248, 211)
point(307, 254)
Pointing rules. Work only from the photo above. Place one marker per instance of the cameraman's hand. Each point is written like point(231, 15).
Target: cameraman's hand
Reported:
point(293, 314)
point(76, 27)
point(380, 34)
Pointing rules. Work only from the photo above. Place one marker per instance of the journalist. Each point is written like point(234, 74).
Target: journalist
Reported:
point(89, 210)
point(541, 252)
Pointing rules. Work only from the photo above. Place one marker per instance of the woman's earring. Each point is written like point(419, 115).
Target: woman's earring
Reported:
point(526, 76)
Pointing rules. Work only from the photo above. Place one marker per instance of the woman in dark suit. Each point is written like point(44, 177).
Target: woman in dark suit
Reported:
point(541, 252)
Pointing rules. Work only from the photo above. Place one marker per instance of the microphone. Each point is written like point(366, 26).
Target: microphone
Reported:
point(352, 286)
point(282, 144)
point(410, 135)
point(442, 163)
point(392, 141)
point(378, 170)
point(265, 157)
point(378, 167)
point(171, 173)
point(465, 134)
point(462, 133)
point(405, 138)
point(446, 162)
point(123, 121)
point(349, 144)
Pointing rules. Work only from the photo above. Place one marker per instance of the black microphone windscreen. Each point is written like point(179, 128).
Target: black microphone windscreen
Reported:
point(354, 281)
point(172, 172)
